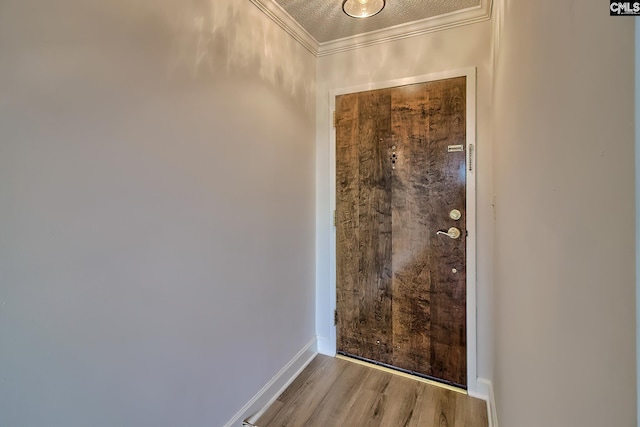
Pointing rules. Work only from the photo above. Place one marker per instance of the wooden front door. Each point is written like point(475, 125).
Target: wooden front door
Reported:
point(401, 179)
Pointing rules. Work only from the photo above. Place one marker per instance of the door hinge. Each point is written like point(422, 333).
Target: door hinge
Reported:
point(335, 317)
point(334, 118)
point(335, 218)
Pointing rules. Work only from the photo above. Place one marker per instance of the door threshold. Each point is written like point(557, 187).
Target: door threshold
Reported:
point(397, 371)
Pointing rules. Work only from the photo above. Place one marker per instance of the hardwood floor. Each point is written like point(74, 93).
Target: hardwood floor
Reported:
point(333, 392)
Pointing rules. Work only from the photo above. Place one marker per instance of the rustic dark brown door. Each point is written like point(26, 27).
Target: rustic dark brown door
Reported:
point(400, 197)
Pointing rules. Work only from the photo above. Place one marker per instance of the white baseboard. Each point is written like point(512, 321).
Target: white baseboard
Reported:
point(482, 389)
point(270, 392)
point(485, 392)
point(326, 346)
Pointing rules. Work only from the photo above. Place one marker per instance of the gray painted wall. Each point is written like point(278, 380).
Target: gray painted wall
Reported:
point(564, 181)
point(157, 210)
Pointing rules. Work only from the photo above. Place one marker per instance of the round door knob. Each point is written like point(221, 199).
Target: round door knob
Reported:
point(455, 214)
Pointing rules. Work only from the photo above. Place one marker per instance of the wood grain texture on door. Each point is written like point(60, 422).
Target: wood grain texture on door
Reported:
point(401, 288)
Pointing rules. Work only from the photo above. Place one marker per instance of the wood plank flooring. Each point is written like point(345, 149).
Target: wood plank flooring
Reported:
point(333, 392)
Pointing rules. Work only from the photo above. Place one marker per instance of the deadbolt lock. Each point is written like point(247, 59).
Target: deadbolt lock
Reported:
point(455, 214)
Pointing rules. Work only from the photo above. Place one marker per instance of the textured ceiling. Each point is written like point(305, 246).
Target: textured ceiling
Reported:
point(325, 20)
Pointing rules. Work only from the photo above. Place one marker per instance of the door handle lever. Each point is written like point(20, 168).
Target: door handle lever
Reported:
point(453, 233)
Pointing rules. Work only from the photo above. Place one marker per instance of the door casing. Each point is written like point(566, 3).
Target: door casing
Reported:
point(471, 149)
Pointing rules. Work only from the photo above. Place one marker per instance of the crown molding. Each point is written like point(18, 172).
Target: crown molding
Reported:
point(411, 29)
point(437, 23)
point(278, 15)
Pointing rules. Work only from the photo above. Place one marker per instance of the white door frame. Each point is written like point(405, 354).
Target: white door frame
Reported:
point(470, 74)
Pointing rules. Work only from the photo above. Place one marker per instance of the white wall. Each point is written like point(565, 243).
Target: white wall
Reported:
point(453, 49)
point(564, 181)
point(157, 210)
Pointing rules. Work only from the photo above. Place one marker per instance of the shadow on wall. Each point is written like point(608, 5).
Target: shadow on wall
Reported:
point(156, 42)
point(215, 38)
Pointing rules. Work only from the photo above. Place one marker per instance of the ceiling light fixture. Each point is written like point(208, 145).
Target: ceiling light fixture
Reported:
point(362, 8)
